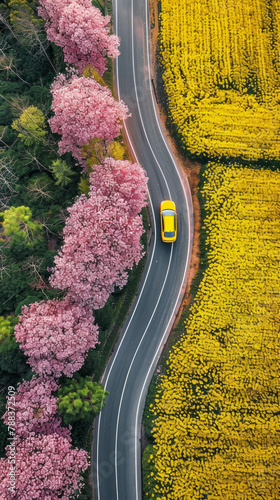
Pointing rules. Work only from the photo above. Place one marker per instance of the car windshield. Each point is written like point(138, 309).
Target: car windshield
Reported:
point(168, 213)
point(169, 234)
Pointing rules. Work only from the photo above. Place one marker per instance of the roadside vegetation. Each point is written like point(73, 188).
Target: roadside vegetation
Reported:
point(57, 331)
point(212, 412)
point(215, 418)
point(220, 69)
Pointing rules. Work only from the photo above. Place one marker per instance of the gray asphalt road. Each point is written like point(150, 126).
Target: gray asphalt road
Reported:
point(116, 459)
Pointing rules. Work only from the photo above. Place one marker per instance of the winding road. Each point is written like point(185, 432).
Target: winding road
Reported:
point(116, 454)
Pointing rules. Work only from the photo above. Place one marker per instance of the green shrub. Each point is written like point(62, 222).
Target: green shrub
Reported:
point(148, 472)
point(80, 399)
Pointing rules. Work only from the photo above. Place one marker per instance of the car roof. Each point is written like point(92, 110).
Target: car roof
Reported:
point(168, 223)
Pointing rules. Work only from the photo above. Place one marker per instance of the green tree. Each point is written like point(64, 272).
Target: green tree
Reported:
point(61, 172)
point(28, 28)
point(84, 184)
point(116, 150)
point(31, 126)
point(13, 286)
point(23, 8)
point(80, 399)
point(18, 226)
point(7, 327)
point(8, 180)
point(12, 359)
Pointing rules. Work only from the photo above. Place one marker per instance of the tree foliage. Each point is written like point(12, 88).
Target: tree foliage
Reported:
point(7, 328)
point(8, 181)
point(21, 9)
point(62, 172)
point(102, 234)
point(80, 399)
point(36, 409)
point(56, 335)
point(7, 338)
point(117, 178)
point(82, 32)
point(12, 360)
point(83, 110)
point(28, 28)
point(19, 226)
point(116, 150)
point(14, 283)
point(46, 467)
point(31, 126)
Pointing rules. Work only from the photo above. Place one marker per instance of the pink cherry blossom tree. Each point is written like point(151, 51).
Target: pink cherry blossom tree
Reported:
point(83, 110)
point(56, 335)
point(50, 11)
point(36, 409)
point(46, 467)
point(102, 234)
point(82, 32)
point(123, 179)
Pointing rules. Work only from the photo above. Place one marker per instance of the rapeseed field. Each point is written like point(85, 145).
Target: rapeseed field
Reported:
point(217, 427)
point(216, 413)
point(221, 73)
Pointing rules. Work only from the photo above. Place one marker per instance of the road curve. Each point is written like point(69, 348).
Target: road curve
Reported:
point(116, 456)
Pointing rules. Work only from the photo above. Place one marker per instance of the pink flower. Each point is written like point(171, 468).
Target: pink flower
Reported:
point(56, 335)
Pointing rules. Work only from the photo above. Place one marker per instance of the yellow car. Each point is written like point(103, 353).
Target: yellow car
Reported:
point(168, 221)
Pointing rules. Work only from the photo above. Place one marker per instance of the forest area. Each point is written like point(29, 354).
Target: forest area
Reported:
point(68, 193)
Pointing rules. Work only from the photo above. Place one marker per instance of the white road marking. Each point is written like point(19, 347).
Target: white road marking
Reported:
point(138, 482)
point(128, 372)
point(137, 417)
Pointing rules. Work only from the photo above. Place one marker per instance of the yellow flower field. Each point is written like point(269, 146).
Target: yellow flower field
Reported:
point(217, 431)
point(221, 71)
